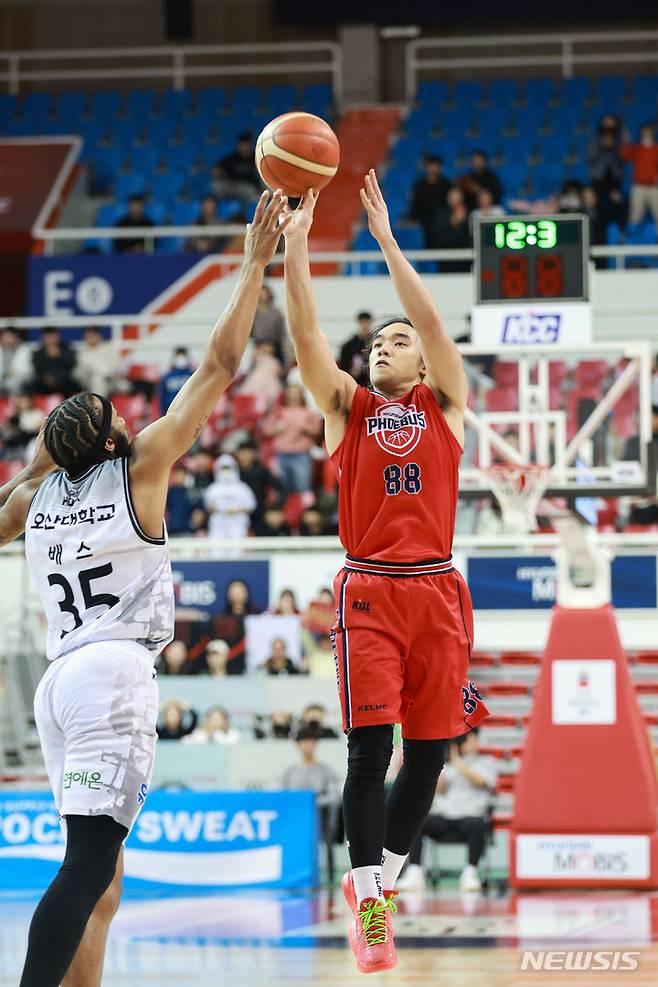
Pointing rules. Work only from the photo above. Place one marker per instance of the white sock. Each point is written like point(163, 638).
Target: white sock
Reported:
point(392, 864)
point(367, 883)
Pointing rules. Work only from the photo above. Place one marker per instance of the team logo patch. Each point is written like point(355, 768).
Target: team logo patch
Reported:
point(397, 428)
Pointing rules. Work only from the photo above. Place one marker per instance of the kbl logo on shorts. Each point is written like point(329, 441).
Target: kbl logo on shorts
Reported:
point(532, 327)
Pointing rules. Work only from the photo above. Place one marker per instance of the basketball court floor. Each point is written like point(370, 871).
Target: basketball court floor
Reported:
point(444, 940)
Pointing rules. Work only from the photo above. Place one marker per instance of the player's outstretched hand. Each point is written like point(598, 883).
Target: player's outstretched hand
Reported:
point(373, 203)
point(301, 218)
point(265, 229)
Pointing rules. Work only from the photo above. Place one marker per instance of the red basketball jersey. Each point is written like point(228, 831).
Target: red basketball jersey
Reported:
point(398, 472)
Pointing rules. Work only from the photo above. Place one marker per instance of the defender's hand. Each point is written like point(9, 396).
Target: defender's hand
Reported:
point(373, 203)
point(301, 218)
point(265, 229)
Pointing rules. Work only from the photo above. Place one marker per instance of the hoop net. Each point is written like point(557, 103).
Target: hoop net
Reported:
point(519, 490)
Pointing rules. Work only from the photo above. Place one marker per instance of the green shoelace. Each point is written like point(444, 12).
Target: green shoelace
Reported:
point(373, 919)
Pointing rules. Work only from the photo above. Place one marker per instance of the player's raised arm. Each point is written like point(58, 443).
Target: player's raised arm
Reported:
point(331, 387)
point(445, 371)
point(159, 445)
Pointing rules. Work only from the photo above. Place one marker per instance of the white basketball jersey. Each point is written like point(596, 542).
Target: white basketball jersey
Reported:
point(99, 576)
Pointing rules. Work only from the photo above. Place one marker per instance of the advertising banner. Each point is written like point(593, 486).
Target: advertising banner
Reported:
point(518, 582)
point(181, 841)
point(543, 324)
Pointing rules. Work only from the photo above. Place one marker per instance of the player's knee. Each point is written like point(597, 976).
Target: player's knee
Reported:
point(369, 751)
point(424, 760)
point(108, 903)
point(92, 851)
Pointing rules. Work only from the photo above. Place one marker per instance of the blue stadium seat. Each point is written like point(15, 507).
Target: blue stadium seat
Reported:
point(140, 103)
point(181, 157)
point(467, 93)
point(167, 187)
point(399, 178)
point(281, 99)
point(106, 103)
point(8, 104)
point(185, 213)
point(646, 88)
point(198, 186)
point(107, 161)
point(495, 120)
point(513, 178)
point(420, 122)
point(211, 100)
point(72, 103)
point(318, 98)
point(446, 148)
point(488, 143)
point(611, 88)
point(409, 237)
point(397, 206)
point(517, 150)
point(406, 151)
point(176, 102)
point(575, 90)
point(432, 93)
point(453, 122)
point(547, 178)
point(567, 118)
point(365, 241)
point(36, 106)
point(246, 99)
point(229, 209)
point(503, 92)
point(109, 213)
point(528, 119)
point(146, 158)
point(123, 131)
point(134, 183)
point(642, 233)
point(556, 147)
point(539, 90)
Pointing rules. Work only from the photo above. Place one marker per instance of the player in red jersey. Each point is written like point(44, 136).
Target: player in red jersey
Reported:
point(404, 620)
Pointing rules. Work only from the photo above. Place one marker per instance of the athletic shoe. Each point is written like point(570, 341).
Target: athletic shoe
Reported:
point(413, 878)
point(469, 880)
point(370, 931)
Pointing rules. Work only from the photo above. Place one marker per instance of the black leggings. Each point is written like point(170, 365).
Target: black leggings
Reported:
point(469, 830)
point(373, 820)
point(60, 919)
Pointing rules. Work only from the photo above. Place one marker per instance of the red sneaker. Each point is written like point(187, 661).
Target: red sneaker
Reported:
point(371, 931)
point(347, 885)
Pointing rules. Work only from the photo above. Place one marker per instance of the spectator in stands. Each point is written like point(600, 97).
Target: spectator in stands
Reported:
point(295, 429)
point(208, 216)
point(215, 729)
point(321, 613)
point(632, 444)
point(319, 659)
point(184, 513)
point(351, 358)
point(429, 198)
point(98, 363)
point(228, 501)
point(277, 726)
point(287, 604)
point(452, 229)
point(201, 471)
point(135, 217)
point(216, 658)
point(644, 187)
point(30, 418)
point(311, 774)
point(263, 379)
point(605, 165)
point(54, 366)
point(313, 720)
point(279, 662)
point(489, 519)
point(272, 524)
point(314, 523)
point(176, 720)
point(230, 625)
point(15, 362)
point(265, 486)
point(589, 205)
point(486, 207)
point(236, 175)
point(270, 325)
point(170, 383)
point(460, 810)
point(174, 659)
point(482, 177)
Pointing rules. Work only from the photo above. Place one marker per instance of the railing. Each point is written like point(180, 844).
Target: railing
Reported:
point(564, 52)
point(150, 234)
point(175, 66)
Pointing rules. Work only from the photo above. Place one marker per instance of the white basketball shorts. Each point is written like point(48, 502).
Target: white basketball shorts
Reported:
point(95, 711)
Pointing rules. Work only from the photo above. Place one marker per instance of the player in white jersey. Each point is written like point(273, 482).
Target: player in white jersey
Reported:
point(97, 548)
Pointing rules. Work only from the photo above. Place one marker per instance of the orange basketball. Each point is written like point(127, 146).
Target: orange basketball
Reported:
point(297, 151)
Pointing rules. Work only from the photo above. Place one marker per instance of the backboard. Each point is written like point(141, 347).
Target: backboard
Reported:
point(582, 410)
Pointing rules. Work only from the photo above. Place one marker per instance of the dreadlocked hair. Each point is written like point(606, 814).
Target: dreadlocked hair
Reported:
point(72, 429)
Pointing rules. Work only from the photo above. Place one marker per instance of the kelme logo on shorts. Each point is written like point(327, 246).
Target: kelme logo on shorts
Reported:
point(396, 428)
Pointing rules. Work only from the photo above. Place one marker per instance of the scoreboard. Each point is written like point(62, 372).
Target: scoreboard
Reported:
point(531, 259)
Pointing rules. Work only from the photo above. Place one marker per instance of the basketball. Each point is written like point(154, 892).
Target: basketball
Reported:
point(297, 151)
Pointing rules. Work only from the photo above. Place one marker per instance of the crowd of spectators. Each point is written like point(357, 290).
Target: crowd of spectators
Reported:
point(177, 720)
point(445, 207)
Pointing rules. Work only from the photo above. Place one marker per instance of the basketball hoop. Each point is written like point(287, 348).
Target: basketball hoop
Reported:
point(519, 490)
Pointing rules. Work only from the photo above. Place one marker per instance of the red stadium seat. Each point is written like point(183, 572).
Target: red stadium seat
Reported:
point(558, 372)
point(501, 720)
point(247, 410)
point(520, 658)
point(502, 399)
point(647, 688)
point(493, 751)
point(8, 470)
point(501, 820)
point(647, 658)
point(506, 689)
point(46, 402)
point(6, 408)
point(590, 372)
point(483, 659)
point(295, 505)
point(505, 783)
point(506, 374)
point(149, 372)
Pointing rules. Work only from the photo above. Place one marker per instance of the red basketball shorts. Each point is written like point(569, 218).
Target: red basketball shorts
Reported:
point(402, 644)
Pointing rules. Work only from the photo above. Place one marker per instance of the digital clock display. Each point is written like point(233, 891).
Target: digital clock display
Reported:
point(531, 258)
